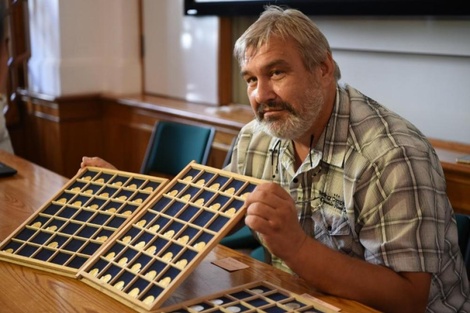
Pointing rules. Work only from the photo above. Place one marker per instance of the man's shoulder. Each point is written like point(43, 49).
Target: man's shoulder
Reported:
point(251, 136)
point(252, 131)
point(251, 127)
point(375, 129)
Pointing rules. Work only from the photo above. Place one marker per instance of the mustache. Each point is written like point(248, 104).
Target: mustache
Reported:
point(275, 105)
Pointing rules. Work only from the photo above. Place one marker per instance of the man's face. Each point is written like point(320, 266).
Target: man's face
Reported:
point(285, 97)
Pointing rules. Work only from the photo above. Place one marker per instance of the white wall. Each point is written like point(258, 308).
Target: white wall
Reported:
point(86, 46)
point(418, 67)
point(181, 62)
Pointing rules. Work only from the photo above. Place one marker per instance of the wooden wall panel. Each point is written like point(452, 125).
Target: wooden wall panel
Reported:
point(60, 131)
point(131, 127)
point(457, 174)
point(125, 136)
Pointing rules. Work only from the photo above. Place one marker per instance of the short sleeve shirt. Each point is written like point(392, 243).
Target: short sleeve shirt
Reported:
point(372, 188)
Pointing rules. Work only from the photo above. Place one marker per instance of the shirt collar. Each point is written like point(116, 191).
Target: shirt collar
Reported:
point(333, 141)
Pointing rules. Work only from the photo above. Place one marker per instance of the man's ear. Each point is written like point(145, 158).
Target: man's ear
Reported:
point(328, 66)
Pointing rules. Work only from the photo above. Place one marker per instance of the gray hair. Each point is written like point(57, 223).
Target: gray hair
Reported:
point(286, 24)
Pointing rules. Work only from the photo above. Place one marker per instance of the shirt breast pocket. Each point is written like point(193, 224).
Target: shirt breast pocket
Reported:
point(332, 228)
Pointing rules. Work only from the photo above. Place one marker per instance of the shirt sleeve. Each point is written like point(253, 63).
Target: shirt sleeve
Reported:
point(401, 202)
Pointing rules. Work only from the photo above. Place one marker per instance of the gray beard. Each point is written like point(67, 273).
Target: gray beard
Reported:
point(288, 129)
point(297, 124)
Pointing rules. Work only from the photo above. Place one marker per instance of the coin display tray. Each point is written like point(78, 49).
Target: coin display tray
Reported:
point(79, 219)
point(159, 248)
point(254, 297)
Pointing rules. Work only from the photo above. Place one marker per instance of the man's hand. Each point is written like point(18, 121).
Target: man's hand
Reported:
point(271, 212)
point(96, 162)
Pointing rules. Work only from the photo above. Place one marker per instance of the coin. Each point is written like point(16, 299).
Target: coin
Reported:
point(140, 245)
point(151, 249)
point(119, 285)
point(151, 275)
point(106, 278)
point(215, 206)
point(165, 281)
point(181, 263)
point(215, 186)
point(200, 245)
point(149, 300)
point(141, 223)
point(169, 234)
point(231, 190)
point(231, 211)
point(154, 228)
point(94, 272)
point(136, 267)
point(183, 239)
point(134, 292)
point(110, 256)
point(167, 257)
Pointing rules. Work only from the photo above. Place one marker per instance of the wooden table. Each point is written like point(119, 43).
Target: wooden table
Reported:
point(24, 289)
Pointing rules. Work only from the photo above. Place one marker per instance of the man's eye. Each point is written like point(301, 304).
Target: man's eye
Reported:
point(250, 81)
point(276, 73)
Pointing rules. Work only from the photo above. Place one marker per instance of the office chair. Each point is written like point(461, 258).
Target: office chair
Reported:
point(242, 238)
point(463, 227)
point(173, 145)
point(228, 156)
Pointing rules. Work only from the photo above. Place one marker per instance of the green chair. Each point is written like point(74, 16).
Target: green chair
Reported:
point(174, 145)
point(241, 239)
point(463, 227)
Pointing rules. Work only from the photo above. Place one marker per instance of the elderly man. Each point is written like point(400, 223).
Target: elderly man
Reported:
point(355, 201)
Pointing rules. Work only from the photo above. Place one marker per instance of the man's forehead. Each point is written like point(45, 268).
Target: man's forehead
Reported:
point(275, 48)
point(253, 51)
point(271, 46)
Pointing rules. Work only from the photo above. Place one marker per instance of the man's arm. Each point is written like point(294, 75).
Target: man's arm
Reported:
point(271, 212)
point(377, 286)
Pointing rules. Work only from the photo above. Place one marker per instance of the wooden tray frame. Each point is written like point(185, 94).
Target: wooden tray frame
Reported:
point(55, 212)
point(244, 297)
point(117, 278)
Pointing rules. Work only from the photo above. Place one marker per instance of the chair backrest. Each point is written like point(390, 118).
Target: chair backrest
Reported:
point(173, 145)
point(463, 227)
point(228, 156)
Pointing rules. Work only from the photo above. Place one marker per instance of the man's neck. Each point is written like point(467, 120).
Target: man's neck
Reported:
point(303, 145)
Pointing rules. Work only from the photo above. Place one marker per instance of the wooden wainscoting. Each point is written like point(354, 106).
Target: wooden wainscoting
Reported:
point(128, 123)
point(60, 131)
point(457, 174)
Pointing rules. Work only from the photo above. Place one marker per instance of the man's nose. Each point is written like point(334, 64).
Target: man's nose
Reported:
point(264, 92)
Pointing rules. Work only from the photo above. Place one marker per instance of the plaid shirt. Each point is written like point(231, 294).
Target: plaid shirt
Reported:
point(373, 188)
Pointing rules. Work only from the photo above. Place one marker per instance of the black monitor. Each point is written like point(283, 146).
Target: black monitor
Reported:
point(331, 7)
